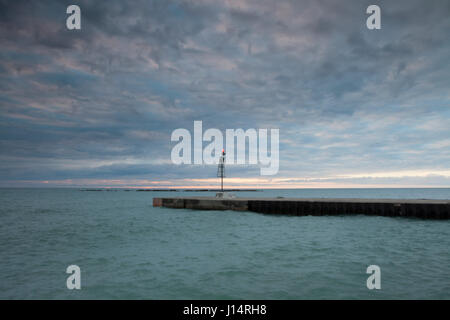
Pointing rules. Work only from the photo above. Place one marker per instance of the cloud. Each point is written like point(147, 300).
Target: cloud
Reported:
point(347, 100)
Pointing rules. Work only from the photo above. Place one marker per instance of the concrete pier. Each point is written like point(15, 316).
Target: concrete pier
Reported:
point(424, 209)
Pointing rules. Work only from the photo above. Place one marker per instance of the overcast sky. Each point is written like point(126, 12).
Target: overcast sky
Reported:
point(97, 106)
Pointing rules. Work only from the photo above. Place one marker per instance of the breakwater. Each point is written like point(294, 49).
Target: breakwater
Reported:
point(424, 209)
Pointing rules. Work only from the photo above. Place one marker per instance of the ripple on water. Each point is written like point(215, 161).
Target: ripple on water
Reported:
point(128, 249)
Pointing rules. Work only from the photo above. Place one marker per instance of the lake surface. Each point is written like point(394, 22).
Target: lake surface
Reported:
point(127, 249)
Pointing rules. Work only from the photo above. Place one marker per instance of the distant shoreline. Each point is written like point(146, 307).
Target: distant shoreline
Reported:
point(173, 190)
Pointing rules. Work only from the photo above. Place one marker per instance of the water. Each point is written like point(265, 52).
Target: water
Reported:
point(127, 249)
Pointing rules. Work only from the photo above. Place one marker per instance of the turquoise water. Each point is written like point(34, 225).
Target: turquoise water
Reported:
point(127, 249)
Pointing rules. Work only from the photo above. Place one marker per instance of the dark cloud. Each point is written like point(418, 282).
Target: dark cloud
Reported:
point(101, 102)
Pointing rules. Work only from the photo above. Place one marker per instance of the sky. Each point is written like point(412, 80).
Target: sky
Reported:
point(96, 107)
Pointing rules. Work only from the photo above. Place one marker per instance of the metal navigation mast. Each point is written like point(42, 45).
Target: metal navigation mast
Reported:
point(221, 169)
